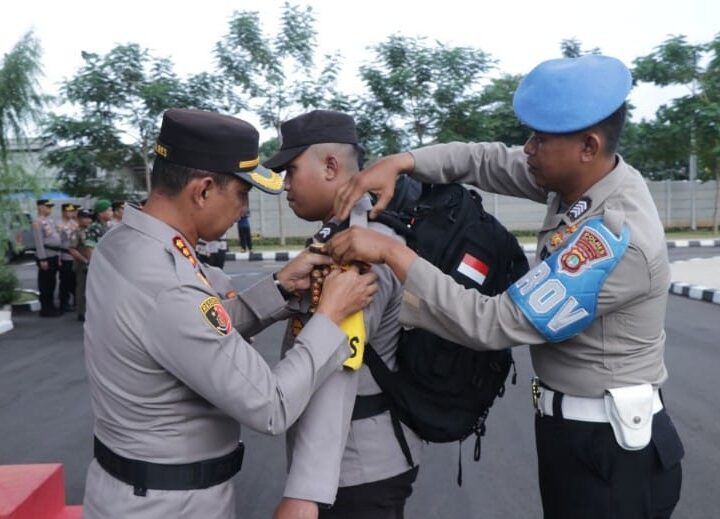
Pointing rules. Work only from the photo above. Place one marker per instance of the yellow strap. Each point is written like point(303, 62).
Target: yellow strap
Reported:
point(354, 327)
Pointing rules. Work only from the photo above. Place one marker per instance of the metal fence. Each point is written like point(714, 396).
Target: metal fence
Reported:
point(673, 200)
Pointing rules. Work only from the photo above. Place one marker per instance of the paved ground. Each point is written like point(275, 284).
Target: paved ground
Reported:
point(45, 416)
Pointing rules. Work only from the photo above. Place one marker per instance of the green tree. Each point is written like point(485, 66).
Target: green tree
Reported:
point(21, 102)
point(572, 48)
point(657, 149)
point(418, 92)
point(487, 116)
point(119, 99)
point(277, 73)
point(21, 105)
point(693, 118)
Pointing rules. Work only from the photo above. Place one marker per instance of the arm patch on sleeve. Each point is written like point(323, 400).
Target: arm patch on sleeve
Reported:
point(216, 315)
point(559, 296)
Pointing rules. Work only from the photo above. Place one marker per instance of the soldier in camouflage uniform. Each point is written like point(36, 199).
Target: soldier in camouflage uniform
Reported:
point(103, 214)
point(81, 256)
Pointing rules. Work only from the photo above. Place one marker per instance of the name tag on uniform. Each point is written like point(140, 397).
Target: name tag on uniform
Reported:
point(559, 296)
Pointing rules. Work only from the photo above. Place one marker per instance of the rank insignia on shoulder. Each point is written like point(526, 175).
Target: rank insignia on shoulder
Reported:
point(216, 315)
point(579, 208)
point(184, 249)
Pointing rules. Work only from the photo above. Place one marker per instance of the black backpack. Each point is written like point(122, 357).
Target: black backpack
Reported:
point(441, 390)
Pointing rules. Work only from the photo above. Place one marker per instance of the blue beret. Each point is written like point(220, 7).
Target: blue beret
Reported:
point(571, 94)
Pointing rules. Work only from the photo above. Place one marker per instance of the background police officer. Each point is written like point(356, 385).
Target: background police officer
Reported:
point(592, 309)
point(170, 376)
point(68, 228)
point(47, 253)
point(338, 456)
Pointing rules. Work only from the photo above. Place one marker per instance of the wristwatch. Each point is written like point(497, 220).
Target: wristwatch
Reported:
point(283, 292)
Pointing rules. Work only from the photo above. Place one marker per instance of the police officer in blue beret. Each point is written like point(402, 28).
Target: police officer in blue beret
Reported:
point(171, 377)
point(593, 307)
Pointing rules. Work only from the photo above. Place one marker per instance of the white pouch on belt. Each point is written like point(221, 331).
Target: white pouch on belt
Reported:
point(630, 411)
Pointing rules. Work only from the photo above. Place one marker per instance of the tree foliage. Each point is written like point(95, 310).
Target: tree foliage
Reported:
point(277, 73)
point(119, 99)
point(689, 123)
point(418, 91)
point(572, 48)
point(21, 103)
point(693, 119)
point(487, 116)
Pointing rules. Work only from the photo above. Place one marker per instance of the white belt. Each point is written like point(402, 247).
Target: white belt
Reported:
point(582, 409)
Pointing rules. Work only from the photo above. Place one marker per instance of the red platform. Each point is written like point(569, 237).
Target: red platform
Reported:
point(34, 492)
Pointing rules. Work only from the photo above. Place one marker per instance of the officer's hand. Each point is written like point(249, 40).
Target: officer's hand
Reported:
point(378, 178)
point(360, 244)
point(43, 265)
point(296, 509)
point(295, 275)
point(344, 293)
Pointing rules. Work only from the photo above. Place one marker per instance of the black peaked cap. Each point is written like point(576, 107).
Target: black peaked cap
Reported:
point(214, 142)
point(316, 127)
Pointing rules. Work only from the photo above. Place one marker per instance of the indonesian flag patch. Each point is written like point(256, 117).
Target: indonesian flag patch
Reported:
point(216, 315)
point(473, 268)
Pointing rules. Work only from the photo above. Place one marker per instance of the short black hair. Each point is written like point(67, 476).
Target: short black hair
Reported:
point(611, 127)
point(169, 178)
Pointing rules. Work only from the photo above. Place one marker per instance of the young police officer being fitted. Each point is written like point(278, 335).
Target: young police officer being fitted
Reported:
point(334, 444)
point(592, 309)
point(170, 375)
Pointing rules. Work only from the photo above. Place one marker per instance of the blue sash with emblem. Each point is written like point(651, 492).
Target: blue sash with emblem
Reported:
point(559, 296)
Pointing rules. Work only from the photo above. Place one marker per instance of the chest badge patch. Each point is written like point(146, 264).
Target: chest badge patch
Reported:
point(588, 248)
point(216, 315)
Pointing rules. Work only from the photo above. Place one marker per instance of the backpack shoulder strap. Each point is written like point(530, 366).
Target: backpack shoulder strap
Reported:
point(372, 405)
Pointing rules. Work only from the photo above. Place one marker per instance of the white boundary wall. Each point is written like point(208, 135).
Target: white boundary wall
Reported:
point(672, 199)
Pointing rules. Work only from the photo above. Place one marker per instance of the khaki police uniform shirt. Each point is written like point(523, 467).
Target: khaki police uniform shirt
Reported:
point(170, 379)
point(624, 344)
point(46, 234)
point(68, 230)
point(325, 448)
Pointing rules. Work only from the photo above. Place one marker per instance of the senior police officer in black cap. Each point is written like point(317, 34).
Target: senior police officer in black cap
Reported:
point(170, 375)
point(592, 309)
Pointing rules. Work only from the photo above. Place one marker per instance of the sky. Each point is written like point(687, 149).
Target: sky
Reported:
point(519, 34)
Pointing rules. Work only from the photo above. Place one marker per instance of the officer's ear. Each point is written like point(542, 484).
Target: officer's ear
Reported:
point(201, 190)
point(592, 144)
point(332, 167)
